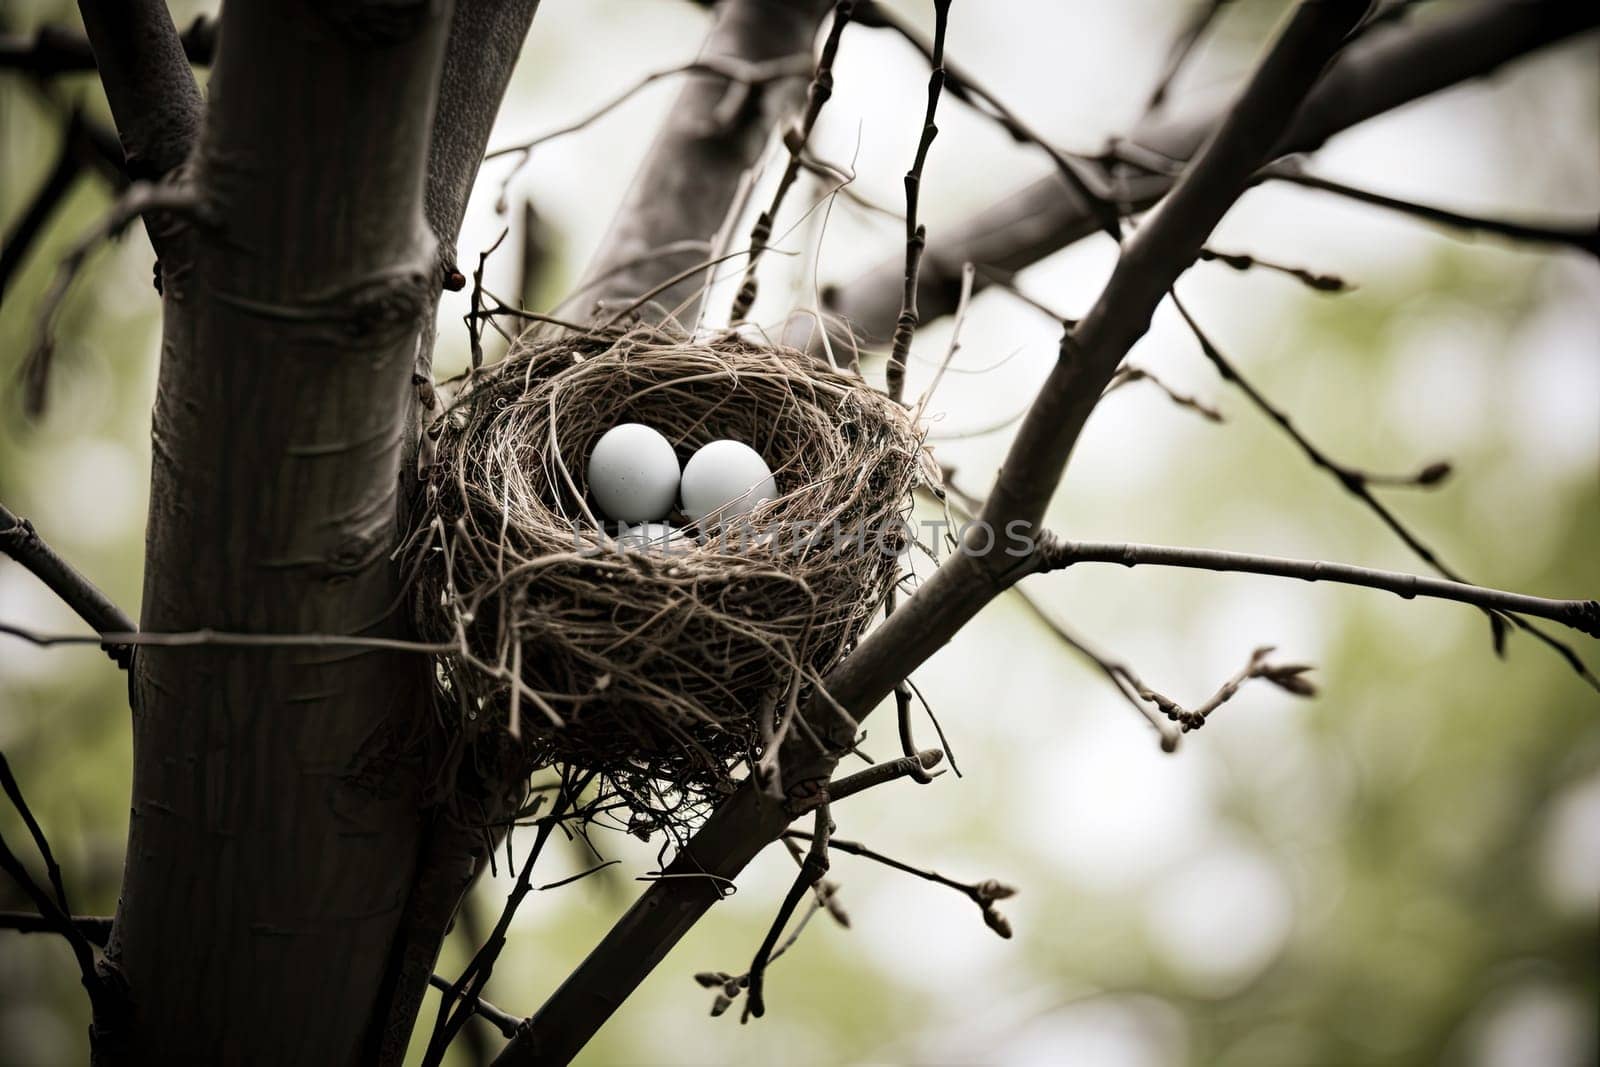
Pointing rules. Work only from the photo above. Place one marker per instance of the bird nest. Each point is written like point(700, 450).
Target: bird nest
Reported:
point(667, 671)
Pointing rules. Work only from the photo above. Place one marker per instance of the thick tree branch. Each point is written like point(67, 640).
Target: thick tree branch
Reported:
point(694, 168)
point(1160, 250)
point(148, 83)
point(277, 796)
point(485, 40)
point(1390, 65)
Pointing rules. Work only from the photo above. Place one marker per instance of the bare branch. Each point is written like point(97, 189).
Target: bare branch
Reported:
point(1054, 554)
point(13, 791)
point(1128, 374)
point(1355, 481)
point(812, 870)
point(1584, 239)
point(1392, 64)
point(969, 91)
point(205, 638)
point(736, 71)
point(108, 1003)
point(877, 774)
point(468, 988)
point(96, 929)
point(1243, 261)
point(21, 542)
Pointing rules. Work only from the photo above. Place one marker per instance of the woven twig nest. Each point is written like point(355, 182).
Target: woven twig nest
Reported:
point(663, 670)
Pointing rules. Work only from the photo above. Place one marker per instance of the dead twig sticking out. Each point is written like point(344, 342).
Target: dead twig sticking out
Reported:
point(794, 139)
point(1243, 261)
point(812, 869)
point(916, 233)
point(1127, 374)
point(984, 893)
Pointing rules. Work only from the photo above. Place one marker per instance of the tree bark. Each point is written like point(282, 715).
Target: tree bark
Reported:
point(275, 817)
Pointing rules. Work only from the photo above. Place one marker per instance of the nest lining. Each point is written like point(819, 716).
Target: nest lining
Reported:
point(662, 671)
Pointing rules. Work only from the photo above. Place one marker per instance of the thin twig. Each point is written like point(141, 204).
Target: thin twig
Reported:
point(1127, 374)
point(1052, 553)
point(877, 774)
point(983, 893)
point(916, 233)
point(1122, 677)
point(794, 140)
point(1182, 48)
point(1583, 238)
point(501, 1019)
point(227, 639)
point(20, 541)
point(96, 929)
point(968, 272)
point(53, 911)
point(13, 791)
point(468, 988)
point(811, 872)
point(1243, 261)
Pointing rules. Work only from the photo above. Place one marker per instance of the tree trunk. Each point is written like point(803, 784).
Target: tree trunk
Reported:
point(275, 817)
